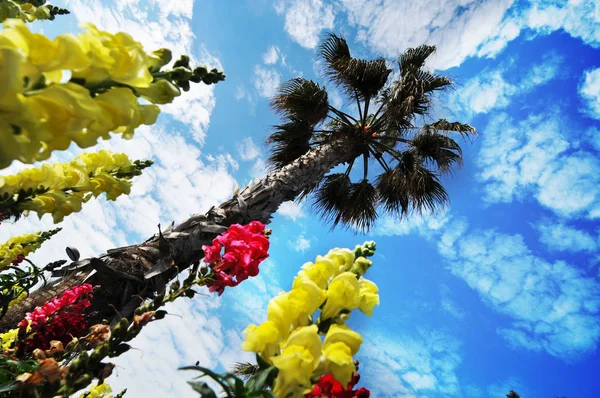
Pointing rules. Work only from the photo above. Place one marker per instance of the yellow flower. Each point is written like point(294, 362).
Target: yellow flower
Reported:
point(342, 258)
point(343, 293)
point(289, 310)
point(307, 337)
point(343, 334)
point(369, 296)
point(340, 345)
point(8, 338)
point(295, 365)
point(99, 391)
point(339, 362)
point(160, 92)
point(18, 245)
point(118, 57)
point(262, 339)
point(316, 295)
point(70, 185)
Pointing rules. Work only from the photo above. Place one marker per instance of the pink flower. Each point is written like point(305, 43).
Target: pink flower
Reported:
point(61, 318)
point(244, 247)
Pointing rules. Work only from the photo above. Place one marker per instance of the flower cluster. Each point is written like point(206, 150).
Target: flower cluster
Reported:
point(40, 112)
point(14, 250)
point(28, 11)
point(236, 254)
point(60, 319)
point(61, 189)
point(290, 341)
point(329, 387)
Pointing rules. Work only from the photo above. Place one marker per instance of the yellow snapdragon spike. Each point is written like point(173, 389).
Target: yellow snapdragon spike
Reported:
point(19, 245)
point(36, 119)
point(289, 340)
point(343, 293)
point(66, 186)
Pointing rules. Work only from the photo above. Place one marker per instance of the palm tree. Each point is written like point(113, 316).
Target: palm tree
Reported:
point(312, 139)
point(512, 394)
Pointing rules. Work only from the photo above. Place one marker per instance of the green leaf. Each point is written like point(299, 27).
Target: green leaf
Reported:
point(202, 388)
point(262, 364)
point(8, 386)
point(263, 379)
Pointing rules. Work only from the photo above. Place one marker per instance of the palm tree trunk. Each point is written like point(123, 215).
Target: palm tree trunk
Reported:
point(128, 274)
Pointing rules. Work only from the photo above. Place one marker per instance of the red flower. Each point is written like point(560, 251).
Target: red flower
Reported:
point(18, 260)
point(236, 253)
point(329, 387)
point(60, 319)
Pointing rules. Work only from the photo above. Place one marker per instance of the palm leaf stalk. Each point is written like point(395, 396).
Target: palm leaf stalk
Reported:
point(402, 163)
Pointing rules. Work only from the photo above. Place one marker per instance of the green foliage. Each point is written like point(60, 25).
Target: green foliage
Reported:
point(233, 386)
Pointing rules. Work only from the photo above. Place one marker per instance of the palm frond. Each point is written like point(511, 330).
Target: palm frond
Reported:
point(360, 211)
point(331, 197)
point(438, 149)
point(413, 59)
point(333, 48)
point(364, 78)
point(410, 186)
point(392, 193)
point(444, 125)
point(288, 142)
point(427, 193)
point(301, 99)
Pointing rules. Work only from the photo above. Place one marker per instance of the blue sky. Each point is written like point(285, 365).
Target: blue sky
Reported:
point(501, 291)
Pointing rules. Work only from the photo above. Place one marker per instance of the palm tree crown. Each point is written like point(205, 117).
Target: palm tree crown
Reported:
point(411, 158)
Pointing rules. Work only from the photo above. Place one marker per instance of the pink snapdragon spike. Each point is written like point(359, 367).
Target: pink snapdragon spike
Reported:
point(236, 254)
point(61, 318)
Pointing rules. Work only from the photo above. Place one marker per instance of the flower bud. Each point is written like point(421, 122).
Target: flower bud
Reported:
point(361, 265)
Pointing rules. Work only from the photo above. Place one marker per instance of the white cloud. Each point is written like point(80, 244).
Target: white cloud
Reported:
point(300, 244)
point(577, 18)
point(271, 56)
point(561, 237)
point(490, 89)
point(518, 160)
point(291, 210)
point(449, 305)
point(464, 28)
point(458, 28)
point(266, 81)
point(424, 224)
point(590, 91)
point(410, 366)
point(554, 306)
point(335, 98)
point(305, 19)
point(248, 150)
point(258, 169)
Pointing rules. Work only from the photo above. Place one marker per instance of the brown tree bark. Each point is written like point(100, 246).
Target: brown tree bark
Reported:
point(126, 275)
